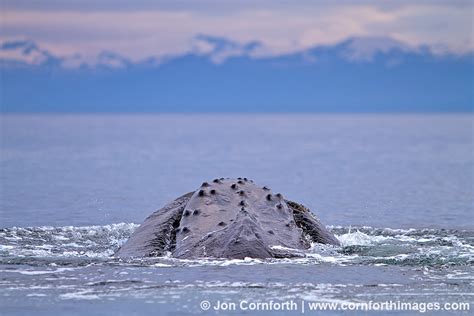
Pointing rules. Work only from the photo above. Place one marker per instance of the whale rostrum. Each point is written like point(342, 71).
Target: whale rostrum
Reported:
point(228, 218)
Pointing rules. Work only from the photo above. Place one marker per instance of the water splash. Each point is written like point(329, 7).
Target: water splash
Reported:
point(69, 245)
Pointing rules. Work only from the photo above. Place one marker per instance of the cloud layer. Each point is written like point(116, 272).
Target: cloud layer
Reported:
point(82, 31)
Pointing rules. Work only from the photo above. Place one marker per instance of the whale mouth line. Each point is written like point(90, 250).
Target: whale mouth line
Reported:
point(175, 225)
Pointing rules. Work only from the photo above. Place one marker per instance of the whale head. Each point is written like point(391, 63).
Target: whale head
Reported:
point(234, 218)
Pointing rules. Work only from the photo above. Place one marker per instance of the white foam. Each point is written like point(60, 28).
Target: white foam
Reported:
point(38, 272)
point(382, 246)
point(81, 295)
point(361, 239)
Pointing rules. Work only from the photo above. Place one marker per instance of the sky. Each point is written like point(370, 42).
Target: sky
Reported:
point(72, 55)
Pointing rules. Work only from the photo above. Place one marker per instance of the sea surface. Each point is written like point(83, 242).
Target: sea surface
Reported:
point(397, 190)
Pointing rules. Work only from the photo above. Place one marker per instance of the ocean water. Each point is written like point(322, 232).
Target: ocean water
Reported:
point(397, 190)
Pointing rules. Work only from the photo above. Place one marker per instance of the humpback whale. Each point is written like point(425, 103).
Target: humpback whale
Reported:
point(228, 218)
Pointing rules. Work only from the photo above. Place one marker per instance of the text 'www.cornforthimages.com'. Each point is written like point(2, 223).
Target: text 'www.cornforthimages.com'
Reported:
point(305, 307)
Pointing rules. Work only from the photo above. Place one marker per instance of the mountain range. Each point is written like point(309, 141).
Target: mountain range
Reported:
point(219, 75)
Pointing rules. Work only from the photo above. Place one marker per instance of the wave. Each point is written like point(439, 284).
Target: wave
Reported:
point(78, 246)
